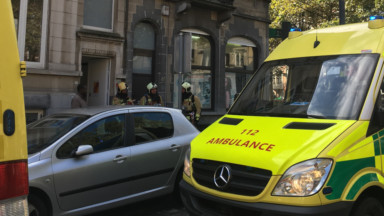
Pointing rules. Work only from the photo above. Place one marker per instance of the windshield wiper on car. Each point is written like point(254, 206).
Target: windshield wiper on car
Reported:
point(316, 116)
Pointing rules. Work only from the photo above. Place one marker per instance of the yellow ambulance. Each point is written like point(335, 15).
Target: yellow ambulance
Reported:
point(305, 136)
point(13, 138)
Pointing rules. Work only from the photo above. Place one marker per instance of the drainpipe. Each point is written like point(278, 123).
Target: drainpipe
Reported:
point(125, 47)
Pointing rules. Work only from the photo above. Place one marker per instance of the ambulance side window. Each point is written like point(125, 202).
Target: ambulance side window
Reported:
point(377, 120)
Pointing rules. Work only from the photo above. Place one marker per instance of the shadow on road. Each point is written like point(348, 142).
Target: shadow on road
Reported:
point(161, 206)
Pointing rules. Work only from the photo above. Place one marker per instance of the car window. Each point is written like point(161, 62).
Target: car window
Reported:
point(152, 126)
point(102, 135)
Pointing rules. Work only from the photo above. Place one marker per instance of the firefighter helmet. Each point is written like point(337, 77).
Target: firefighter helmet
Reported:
point(186, 86)
point(122, 86)
point(151, 85)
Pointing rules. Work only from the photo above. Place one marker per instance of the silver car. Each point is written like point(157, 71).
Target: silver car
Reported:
point(86, 160)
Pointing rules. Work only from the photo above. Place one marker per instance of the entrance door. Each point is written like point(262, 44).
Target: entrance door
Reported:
point(98, 81)
point(139, 86)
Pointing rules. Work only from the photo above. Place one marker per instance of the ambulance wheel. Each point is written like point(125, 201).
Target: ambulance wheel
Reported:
point(36, 206)
point(368, 206)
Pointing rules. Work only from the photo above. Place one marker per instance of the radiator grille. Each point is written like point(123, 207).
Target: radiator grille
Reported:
point(245, 180)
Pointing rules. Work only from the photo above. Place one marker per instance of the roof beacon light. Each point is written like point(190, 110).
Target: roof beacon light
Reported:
point(376, 17)
point(295, 29)
point(294, 32)
point(376, 22)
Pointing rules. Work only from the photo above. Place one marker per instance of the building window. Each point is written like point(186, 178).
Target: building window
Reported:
point(201, 69)
point(240, 63)
point(31, 25)
point(144, 46)
point(143, 58)
point(98, 14)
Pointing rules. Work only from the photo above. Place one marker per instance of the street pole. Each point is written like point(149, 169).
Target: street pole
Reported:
point(181, 62)
point(342, 12)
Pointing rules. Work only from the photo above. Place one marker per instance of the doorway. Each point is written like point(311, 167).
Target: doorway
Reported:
point(96, 76)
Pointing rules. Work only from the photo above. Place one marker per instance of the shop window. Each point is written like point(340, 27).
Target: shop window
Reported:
point(143, 58)
point(30, 18)
point(201, 69)
point(98, 14)
point(240, 63)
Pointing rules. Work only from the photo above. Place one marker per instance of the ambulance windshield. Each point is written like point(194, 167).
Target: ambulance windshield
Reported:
point(329, 87)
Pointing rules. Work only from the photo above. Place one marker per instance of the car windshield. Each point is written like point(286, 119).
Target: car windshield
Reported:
point(331, 87)
point(44, 132)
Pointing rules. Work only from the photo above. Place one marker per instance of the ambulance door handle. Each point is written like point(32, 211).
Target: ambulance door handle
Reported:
point(174, 147)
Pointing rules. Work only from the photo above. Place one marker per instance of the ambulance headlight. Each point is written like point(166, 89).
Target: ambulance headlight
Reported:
point(187, 163)
point(304, 179)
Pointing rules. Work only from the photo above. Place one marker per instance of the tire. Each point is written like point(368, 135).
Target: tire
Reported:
point(176, 190)
point(369, 206)
point(36, 206)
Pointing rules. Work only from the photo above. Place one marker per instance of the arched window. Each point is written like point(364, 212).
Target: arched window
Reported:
point(143, 58)
point(240, 63)
point(201, 67)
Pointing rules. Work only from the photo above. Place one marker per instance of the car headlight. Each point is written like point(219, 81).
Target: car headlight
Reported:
point(303, 179)
point(187, 162)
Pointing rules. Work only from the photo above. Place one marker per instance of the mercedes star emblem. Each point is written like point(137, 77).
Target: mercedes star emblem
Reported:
point(222, 176)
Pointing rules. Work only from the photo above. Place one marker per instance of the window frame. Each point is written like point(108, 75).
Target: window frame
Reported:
point(22, 29)
point(210, 68)
point(100, 28)
point(140, 52)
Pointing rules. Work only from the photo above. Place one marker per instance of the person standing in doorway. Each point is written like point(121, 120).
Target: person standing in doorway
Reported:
point(78, 101)
point(191, 106)
point(122, 97)
point(152, 97)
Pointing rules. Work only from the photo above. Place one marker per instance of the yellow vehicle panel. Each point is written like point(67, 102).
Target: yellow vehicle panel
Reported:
point(344, 39)
point(11, 89)
point(271, 147)
point(265, 141)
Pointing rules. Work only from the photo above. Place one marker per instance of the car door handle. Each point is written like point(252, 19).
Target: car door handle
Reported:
point(174, 147)
point(120, 159)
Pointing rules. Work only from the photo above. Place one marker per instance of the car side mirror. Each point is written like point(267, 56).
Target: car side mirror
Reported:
point(83, 150)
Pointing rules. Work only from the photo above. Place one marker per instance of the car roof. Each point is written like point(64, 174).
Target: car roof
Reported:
point(94, 110)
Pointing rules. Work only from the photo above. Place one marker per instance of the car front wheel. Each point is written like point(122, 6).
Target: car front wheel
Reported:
point(36, 206)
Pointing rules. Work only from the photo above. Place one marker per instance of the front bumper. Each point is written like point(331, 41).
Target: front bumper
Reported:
point(202, 204)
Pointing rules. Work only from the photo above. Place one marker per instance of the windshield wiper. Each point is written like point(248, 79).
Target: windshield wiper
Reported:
point(316, 116)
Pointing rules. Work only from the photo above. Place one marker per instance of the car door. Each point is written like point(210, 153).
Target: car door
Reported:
point(156, 151)
point(99, 176)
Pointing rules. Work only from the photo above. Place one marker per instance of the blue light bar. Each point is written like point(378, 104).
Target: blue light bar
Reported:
point(295, 29)
point(376, 17)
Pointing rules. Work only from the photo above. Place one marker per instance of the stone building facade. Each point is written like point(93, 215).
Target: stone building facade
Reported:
point(215, 45)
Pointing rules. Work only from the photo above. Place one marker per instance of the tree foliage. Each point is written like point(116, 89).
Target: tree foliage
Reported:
point(312, 14)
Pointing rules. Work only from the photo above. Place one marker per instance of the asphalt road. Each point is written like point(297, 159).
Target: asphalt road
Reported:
point(161, 206)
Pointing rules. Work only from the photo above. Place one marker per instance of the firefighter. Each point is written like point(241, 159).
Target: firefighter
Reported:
point(191, 106)
point(122, 97)
point(152, 97)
